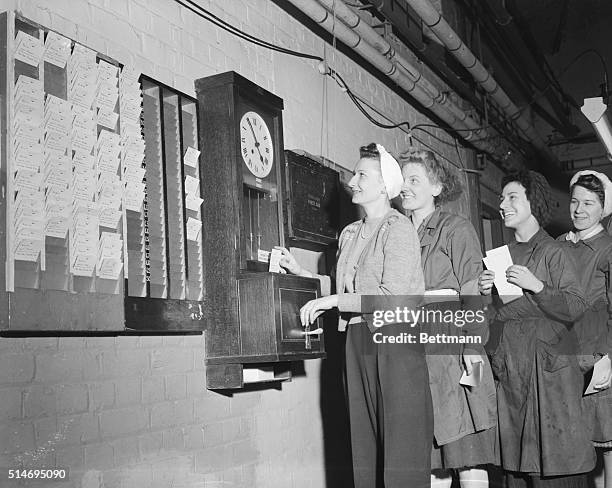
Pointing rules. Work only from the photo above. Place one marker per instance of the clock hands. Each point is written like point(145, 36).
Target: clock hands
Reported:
point(256, 141)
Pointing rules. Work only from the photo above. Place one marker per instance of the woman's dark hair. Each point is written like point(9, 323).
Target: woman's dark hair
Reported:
point(537, 191)
point(593, 184)
point(438, 173)
point(369, 151)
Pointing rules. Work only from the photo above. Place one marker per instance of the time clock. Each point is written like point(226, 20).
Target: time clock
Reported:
point(252, 315)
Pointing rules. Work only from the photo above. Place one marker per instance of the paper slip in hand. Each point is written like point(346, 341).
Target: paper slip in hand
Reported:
point(499, 260)
point(275, 257)
point(473, 379)
point(598, 371)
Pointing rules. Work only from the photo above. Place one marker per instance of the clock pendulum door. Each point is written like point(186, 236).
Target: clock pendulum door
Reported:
point(260, 226)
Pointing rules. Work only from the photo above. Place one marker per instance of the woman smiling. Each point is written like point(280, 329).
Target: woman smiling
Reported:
point(464, 417)
point(543, 434)
point(387, 384)
point(591, 247)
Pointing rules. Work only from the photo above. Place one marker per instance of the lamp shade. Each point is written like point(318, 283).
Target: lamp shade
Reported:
point(594, 109)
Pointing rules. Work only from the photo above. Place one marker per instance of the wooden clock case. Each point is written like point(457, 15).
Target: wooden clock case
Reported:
point(252, 315)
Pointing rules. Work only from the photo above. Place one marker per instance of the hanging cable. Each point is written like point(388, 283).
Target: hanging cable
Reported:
point(603, 65)
point(210, 17)
point(407, 131)
point(357, 101)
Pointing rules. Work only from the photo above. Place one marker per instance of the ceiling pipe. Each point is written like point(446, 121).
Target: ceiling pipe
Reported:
point(367, 33)
point(444, 32)
point(411, 82)
point(408, 28)
point(435, 56)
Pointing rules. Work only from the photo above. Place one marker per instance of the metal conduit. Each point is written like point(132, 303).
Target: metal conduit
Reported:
point(367, 33)
point(400, 75)
point(434, 20)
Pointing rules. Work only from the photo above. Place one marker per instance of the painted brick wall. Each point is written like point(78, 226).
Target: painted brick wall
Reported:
point(132, 412)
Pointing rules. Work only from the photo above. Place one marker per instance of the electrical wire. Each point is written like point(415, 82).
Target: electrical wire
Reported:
point(601, 59)
point(342, 84)
point(399, 126)
point(359, 7)
point(409, 130)
point(359, 103)
point(554, 82)
point(432, 135)
point(458, 153)
point(210, 17)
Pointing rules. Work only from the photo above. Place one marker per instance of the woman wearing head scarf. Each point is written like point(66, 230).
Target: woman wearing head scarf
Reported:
point(543, 434)
point(387, 384)
point(591, 248)
point(464, 416)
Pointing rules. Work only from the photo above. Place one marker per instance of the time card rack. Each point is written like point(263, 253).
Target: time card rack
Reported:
point(101, 191)
point(165, 283)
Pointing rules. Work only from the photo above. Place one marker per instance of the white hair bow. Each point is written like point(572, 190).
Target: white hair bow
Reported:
point(391, 172)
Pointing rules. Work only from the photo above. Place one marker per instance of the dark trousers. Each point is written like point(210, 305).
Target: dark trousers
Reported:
point(390, 410)
point(522, 480)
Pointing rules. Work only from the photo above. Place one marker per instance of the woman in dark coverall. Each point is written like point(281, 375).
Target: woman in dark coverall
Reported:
point(543, 434)
point(464, 417)
point(591, 247)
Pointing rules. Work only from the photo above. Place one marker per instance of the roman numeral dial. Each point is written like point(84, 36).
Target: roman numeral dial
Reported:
point(256, 144)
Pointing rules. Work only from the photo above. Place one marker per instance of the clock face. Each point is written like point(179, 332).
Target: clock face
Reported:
point(256, 144)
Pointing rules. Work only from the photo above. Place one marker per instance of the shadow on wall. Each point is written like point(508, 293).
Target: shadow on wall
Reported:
point(334, 411)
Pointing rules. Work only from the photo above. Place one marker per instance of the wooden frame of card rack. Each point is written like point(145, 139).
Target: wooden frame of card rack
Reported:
point(164, 286)
point(63, 240)
point(96, 177)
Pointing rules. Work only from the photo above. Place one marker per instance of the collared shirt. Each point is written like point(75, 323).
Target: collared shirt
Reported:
point(574, 237)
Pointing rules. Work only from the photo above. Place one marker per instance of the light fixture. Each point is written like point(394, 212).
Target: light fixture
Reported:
point(595, 109)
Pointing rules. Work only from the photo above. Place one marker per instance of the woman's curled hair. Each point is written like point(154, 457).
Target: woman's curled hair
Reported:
point(438, 173)
point(369, 151)
point(537, 190)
